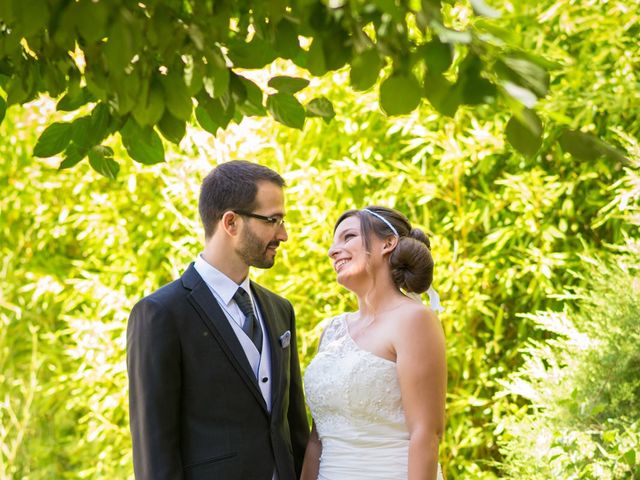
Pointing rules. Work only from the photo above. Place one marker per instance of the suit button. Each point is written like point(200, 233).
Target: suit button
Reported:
point(265, 379)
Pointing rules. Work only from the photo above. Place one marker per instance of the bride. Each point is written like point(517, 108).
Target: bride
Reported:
point(377, 386)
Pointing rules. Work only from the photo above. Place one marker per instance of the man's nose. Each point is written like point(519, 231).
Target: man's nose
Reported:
point(283, 236)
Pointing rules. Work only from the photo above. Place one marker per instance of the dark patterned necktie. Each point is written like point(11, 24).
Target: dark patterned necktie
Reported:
point(251, 325)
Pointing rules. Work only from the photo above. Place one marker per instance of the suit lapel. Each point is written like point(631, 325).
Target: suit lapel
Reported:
point(270, 321)
point(215, 319)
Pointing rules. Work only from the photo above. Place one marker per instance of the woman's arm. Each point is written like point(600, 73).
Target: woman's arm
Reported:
point(311, 464)
point(422, 372)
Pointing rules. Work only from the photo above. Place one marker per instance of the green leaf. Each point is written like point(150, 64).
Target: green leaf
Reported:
point(220, 112)
point(255, 54)
point(177, 98)
point(72, 156)
point(100, 121)
point(3, 108)
point(524, 132)
point(629, 457)
point(237, 88)
point(365, 70)
point(444, 96)
point(481, 8)
point(321, 107)
point(448, 35)
point(72, 101)
point(101, 160)
point(528, 74)
point(286, 109)
point(119, 47)
point(286, 42)
point(588, 147)
point(337, 48)
point(53, 140)
point(149, 109)
point(33, 16)
point(16, 92)
point(142, 144)
point(316, 63)
point(475, 88)
point(81, 128)
point(399, 94)
point(216, 82)
point(521, 94)
point(253, 103)
point(286, 84)
point(171, 128)
point(438, 56)
point(205, 120)
point(90, 18)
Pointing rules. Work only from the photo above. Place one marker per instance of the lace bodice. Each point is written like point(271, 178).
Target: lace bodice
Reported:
point(356, 403)
point(350, 387)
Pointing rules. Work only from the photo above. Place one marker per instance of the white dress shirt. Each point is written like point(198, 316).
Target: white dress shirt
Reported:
point(223, 289)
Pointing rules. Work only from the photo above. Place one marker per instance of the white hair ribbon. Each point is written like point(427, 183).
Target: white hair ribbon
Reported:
point(434, 300)
point(387, 222)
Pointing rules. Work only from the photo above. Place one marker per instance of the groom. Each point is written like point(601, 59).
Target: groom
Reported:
point(214, 379)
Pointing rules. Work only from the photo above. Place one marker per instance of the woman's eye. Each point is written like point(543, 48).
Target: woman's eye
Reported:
point(348, 237)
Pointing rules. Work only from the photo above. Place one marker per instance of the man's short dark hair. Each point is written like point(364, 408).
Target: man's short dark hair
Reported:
point(232, 186)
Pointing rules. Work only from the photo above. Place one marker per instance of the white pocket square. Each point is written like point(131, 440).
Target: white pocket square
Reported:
point(285, 339)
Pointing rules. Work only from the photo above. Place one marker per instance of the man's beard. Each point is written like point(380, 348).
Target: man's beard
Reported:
point(253, 251)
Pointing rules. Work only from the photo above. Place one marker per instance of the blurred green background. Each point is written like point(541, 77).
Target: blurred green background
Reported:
point(512, 237)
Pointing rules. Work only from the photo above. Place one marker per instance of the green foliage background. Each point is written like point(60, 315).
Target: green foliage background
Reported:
point(507, 232)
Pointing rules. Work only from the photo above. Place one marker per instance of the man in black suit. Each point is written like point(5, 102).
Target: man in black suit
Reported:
point(214, 381)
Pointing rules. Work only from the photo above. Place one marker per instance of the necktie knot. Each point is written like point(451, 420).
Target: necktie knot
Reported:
point(243, 300)
point(251, 326)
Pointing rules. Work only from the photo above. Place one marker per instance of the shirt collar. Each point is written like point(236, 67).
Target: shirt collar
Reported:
point(218, 281)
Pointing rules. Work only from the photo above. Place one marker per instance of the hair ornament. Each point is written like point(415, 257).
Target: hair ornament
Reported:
point(387, 222)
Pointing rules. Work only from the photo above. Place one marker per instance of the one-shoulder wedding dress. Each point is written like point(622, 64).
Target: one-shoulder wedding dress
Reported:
point(355, 400)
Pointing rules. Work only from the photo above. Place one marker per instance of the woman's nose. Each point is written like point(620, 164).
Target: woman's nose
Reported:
point(332, 251)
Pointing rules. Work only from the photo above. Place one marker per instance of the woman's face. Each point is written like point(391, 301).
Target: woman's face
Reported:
point(348, 253)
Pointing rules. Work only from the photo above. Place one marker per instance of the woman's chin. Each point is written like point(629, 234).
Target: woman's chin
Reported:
point(346, 280)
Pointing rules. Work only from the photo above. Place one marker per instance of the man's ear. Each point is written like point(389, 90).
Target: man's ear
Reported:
point(229, 222)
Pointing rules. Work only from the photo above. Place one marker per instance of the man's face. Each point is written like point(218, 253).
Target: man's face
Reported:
point(259, 239)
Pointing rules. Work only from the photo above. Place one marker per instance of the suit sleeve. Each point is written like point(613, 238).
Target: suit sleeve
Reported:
point(153, 365)
point(297, 415)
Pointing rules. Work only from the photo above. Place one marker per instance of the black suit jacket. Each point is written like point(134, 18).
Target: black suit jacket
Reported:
point(195, 407)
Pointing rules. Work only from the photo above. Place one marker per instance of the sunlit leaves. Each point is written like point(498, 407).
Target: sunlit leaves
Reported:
point(151, 61)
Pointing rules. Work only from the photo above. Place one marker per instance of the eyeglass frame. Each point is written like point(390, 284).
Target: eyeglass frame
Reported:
point(274, 221)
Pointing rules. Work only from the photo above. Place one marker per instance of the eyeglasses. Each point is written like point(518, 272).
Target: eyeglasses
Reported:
point(276, 221)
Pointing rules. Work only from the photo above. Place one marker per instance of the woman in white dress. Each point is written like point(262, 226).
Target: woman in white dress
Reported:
point(377, 386)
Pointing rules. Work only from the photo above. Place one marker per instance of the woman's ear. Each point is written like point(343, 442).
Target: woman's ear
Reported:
point(389, 244)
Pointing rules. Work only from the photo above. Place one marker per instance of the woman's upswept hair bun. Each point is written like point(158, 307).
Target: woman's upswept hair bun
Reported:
point(411, 262)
